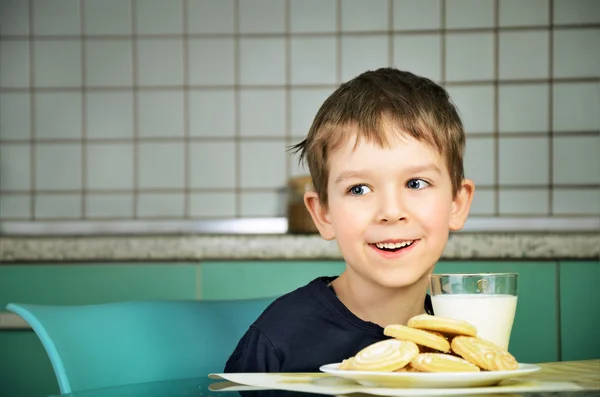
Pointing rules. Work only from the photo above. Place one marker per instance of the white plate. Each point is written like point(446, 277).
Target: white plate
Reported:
point(429, 380)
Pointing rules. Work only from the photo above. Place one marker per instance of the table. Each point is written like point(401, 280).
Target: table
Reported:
point(585, 374)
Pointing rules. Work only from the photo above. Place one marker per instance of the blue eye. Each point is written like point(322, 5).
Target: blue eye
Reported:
point(417, 184)
point(359, 190)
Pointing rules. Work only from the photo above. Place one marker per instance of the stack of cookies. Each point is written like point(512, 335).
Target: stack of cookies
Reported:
point(431, 344)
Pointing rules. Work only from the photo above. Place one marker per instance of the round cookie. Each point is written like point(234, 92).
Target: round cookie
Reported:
point(442, 324)
point(386, 356)
point(439, 362)
point(418, 336)
point(484, 354)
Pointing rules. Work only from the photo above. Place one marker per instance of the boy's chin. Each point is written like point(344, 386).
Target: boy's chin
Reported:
point(402, 281)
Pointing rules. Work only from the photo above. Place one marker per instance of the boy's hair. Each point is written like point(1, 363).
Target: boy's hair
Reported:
point(414, 104)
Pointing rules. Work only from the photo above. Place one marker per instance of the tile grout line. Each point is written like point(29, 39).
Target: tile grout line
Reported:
point(186, 110)
point(32, 123)
point(136, 121)
point(550, 108)
point(338, 41)
point(390, 32)
point(558, 313)
point(84, 143)
point(496, 105)
point(236, 111)
point(288, 90)
point(443, 39)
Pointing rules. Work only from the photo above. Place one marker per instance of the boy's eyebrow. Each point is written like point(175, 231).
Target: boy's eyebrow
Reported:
point(360, 174)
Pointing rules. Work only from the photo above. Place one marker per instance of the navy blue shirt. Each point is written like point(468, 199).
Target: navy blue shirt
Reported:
point(303, 330)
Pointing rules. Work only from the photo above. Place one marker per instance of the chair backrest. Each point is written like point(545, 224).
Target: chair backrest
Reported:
point(110, 344)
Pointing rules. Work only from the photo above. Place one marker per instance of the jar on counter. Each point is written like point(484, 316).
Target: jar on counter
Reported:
point(299, 219)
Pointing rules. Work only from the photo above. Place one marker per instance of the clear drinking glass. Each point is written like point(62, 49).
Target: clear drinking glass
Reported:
point(486, 300)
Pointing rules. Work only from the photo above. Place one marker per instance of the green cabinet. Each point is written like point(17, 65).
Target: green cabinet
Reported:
point(580, 309)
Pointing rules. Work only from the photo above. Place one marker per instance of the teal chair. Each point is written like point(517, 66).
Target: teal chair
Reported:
point(111, 344)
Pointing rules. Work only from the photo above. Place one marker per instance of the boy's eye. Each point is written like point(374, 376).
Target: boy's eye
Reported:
point(359, 190)
point(417, 184)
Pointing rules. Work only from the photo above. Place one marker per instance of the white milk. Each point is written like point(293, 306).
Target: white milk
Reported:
point(493, 315)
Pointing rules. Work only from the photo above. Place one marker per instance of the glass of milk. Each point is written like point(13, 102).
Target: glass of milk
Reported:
point(486, 300)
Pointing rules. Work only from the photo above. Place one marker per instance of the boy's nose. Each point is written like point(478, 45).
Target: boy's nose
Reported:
point(391, 209)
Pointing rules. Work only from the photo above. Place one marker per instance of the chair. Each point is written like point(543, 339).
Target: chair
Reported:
point(111, 344)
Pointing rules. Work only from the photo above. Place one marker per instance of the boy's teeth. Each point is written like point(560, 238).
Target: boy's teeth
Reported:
point(393, 245)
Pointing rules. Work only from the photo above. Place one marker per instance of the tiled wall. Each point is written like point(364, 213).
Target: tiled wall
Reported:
point(120, 109)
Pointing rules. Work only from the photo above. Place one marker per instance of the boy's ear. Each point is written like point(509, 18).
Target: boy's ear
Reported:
point(461, 205)
point(319, 214)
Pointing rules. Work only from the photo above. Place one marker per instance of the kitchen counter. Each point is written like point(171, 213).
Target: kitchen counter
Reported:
point(194, 247)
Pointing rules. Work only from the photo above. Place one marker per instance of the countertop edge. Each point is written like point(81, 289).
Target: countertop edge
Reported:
point(149, 248)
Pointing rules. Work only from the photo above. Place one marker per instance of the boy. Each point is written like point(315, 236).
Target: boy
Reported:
point(385, 153)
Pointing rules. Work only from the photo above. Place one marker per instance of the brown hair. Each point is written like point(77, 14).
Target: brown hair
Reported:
point(415, 104)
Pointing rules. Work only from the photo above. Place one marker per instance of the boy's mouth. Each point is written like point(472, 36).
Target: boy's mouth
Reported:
point(393, 246)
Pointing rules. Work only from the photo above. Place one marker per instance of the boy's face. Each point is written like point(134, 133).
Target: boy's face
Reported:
point(390, 209)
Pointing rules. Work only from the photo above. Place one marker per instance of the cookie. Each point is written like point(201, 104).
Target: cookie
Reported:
point(387, 355)
point(439, 362)
point(429, 339)
point(484, 354)
point(442, 324)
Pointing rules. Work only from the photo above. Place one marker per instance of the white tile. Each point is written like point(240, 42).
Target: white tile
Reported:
point(576, 160)
point(211, 113)
point(576, 11)
point(211, 61)
point(262, 164)
point(118, 106)
point(483, 203)
point(161, 165)
point(58, 115)
point(57, 206)
point(575, 107)
point(57, 63)
point(305, 103)
point(158, 16)
point(524, 55)
point(362, 53)
point(14, 64)
point(262, 16)
point(160, 205)
point(56, 17)
point(108, 63)
point(160, 113)
point(469, 14)
point(523, 108)
point(15, 167)
point(15, 206)
point(523, 12)
point(109, 166)
point(212, 164)
point(212, 205)
point(419, 54)
point(262, 61)
point(262, 113)
point(15, 115)
point(58, 166)
point(14, 17)
point(524, 161)
point(254, 204)
point(576, 201)
point(364, 15)
point(160, 62)
point(417, 14)
point(109, 206)
point(475, 106)
point(313, 60)
point(524, 202)
point(469, 56)
point(479, 161)
point(312, 16)
point(210, 16)
point(576, 53)
point(107, 17)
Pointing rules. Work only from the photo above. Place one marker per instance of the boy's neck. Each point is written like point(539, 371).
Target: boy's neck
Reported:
point(370, 302)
